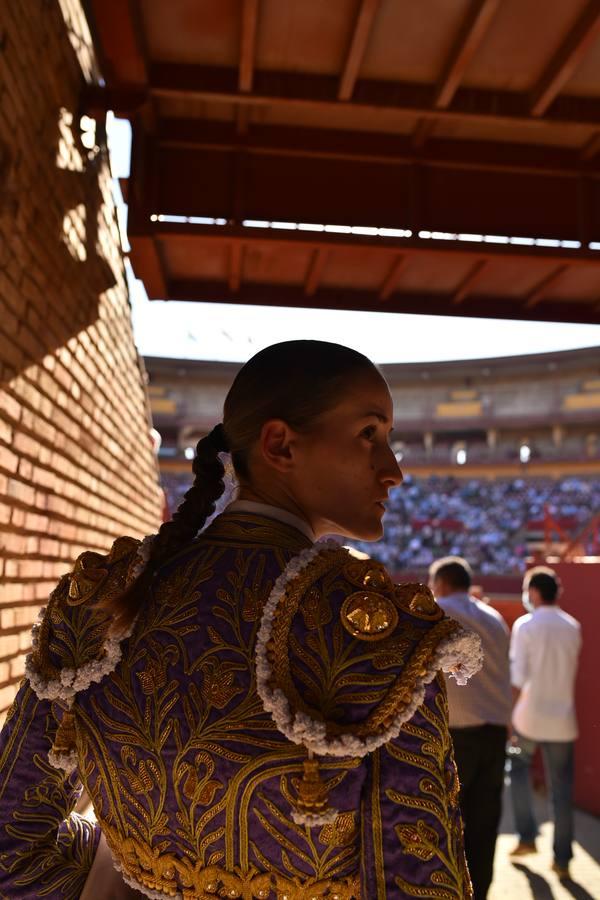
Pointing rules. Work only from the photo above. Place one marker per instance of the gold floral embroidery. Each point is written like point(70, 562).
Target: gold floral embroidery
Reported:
point(341, 832)
point(438, 798)
point(166, 872)
point(218, 684)
point(92, 570)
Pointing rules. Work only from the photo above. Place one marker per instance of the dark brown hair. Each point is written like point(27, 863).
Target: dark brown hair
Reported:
point(545, 581)
point(296, 381)
point(455, 571)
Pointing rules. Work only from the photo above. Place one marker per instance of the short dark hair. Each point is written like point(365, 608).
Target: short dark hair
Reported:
point(545, 581)
point(455, 571)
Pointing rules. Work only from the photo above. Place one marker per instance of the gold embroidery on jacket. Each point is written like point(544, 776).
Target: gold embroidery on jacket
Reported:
point(439, 798)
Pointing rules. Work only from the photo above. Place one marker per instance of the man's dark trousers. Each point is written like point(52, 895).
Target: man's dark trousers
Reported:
point(480, 754)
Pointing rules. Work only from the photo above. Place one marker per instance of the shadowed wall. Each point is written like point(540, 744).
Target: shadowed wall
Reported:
point(77, 467)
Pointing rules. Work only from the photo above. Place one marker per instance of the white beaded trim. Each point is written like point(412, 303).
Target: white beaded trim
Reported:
point(66, 761)
point(300, 729)
point(142, 556)
point(459, 654)
point(314, 819)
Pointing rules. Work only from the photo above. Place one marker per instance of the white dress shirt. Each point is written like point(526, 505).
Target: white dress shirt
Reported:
point(543, 655)
point(486, 699)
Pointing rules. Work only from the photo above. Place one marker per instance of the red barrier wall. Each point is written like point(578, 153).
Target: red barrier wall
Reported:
point(510, 610)
point(581, 583)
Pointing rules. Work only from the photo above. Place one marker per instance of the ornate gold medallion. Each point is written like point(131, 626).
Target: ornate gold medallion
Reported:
point(424, 602)
point(368, 616)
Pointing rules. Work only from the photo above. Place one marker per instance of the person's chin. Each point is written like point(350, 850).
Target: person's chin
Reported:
point(371, 531)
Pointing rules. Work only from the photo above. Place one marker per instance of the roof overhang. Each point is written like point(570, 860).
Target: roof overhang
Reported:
point(338, 134)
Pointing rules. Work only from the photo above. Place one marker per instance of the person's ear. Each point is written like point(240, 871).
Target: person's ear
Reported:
point(277, 441)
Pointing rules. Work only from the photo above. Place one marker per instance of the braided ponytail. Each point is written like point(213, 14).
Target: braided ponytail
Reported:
point(197, 506)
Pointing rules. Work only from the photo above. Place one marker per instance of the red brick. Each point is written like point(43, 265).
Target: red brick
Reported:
point(11, 593)
point(9, 407)
point(7, 695)
point(21, 492)
point(25, 640)
point(9, 645)
point(17, 667)
point(8, 460)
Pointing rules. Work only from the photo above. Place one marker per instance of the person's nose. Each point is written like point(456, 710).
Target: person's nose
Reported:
point(391, 473)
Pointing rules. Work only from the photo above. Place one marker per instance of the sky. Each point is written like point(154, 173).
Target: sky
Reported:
point(233, 333)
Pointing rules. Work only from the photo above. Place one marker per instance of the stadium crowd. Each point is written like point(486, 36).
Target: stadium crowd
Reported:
point(485, 521)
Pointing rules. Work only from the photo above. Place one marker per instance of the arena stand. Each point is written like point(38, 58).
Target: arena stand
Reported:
point(486, 521)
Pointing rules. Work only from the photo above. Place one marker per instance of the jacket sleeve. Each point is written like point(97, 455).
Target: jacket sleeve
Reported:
point(47, 849)
point(349, 664)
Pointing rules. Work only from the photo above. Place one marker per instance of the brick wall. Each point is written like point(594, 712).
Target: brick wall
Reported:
point(76, 463)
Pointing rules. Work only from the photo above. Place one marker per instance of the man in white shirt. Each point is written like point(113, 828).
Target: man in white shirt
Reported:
point(544, 652)
point(479, 716)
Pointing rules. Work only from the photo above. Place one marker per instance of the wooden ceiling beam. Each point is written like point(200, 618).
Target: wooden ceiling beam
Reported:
point(226, 234)
point(535, 296)
point(471, 34)
point(248, 44)
point(318, 93)
point(440, 304)
point(358, 46)
point(566, 60)
point(369, 147)
point(390, 281)
point(242, 120)
point(466, 286)
point(119, 38)
point(423, 131)
point(146, 257)
point(590, 148)
point(315, 270)
point(236, 260)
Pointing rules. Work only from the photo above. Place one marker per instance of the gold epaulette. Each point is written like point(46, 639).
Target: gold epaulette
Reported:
point(348, 648)
point(73, 626)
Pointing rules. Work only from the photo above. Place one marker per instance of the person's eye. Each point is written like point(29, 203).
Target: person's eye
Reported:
point(369, 432)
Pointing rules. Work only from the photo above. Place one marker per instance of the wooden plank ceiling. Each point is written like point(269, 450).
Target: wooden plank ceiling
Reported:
point(428, 157)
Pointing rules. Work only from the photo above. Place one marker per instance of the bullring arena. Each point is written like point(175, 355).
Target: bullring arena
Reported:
point(432, 158)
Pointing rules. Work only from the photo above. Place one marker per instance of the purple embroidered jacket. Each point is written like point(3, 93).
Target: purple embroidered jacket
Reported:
point(257, 735)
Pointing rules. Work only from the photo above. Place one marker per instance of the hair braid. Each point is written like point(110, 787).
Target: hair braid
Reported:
point(197, 505)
